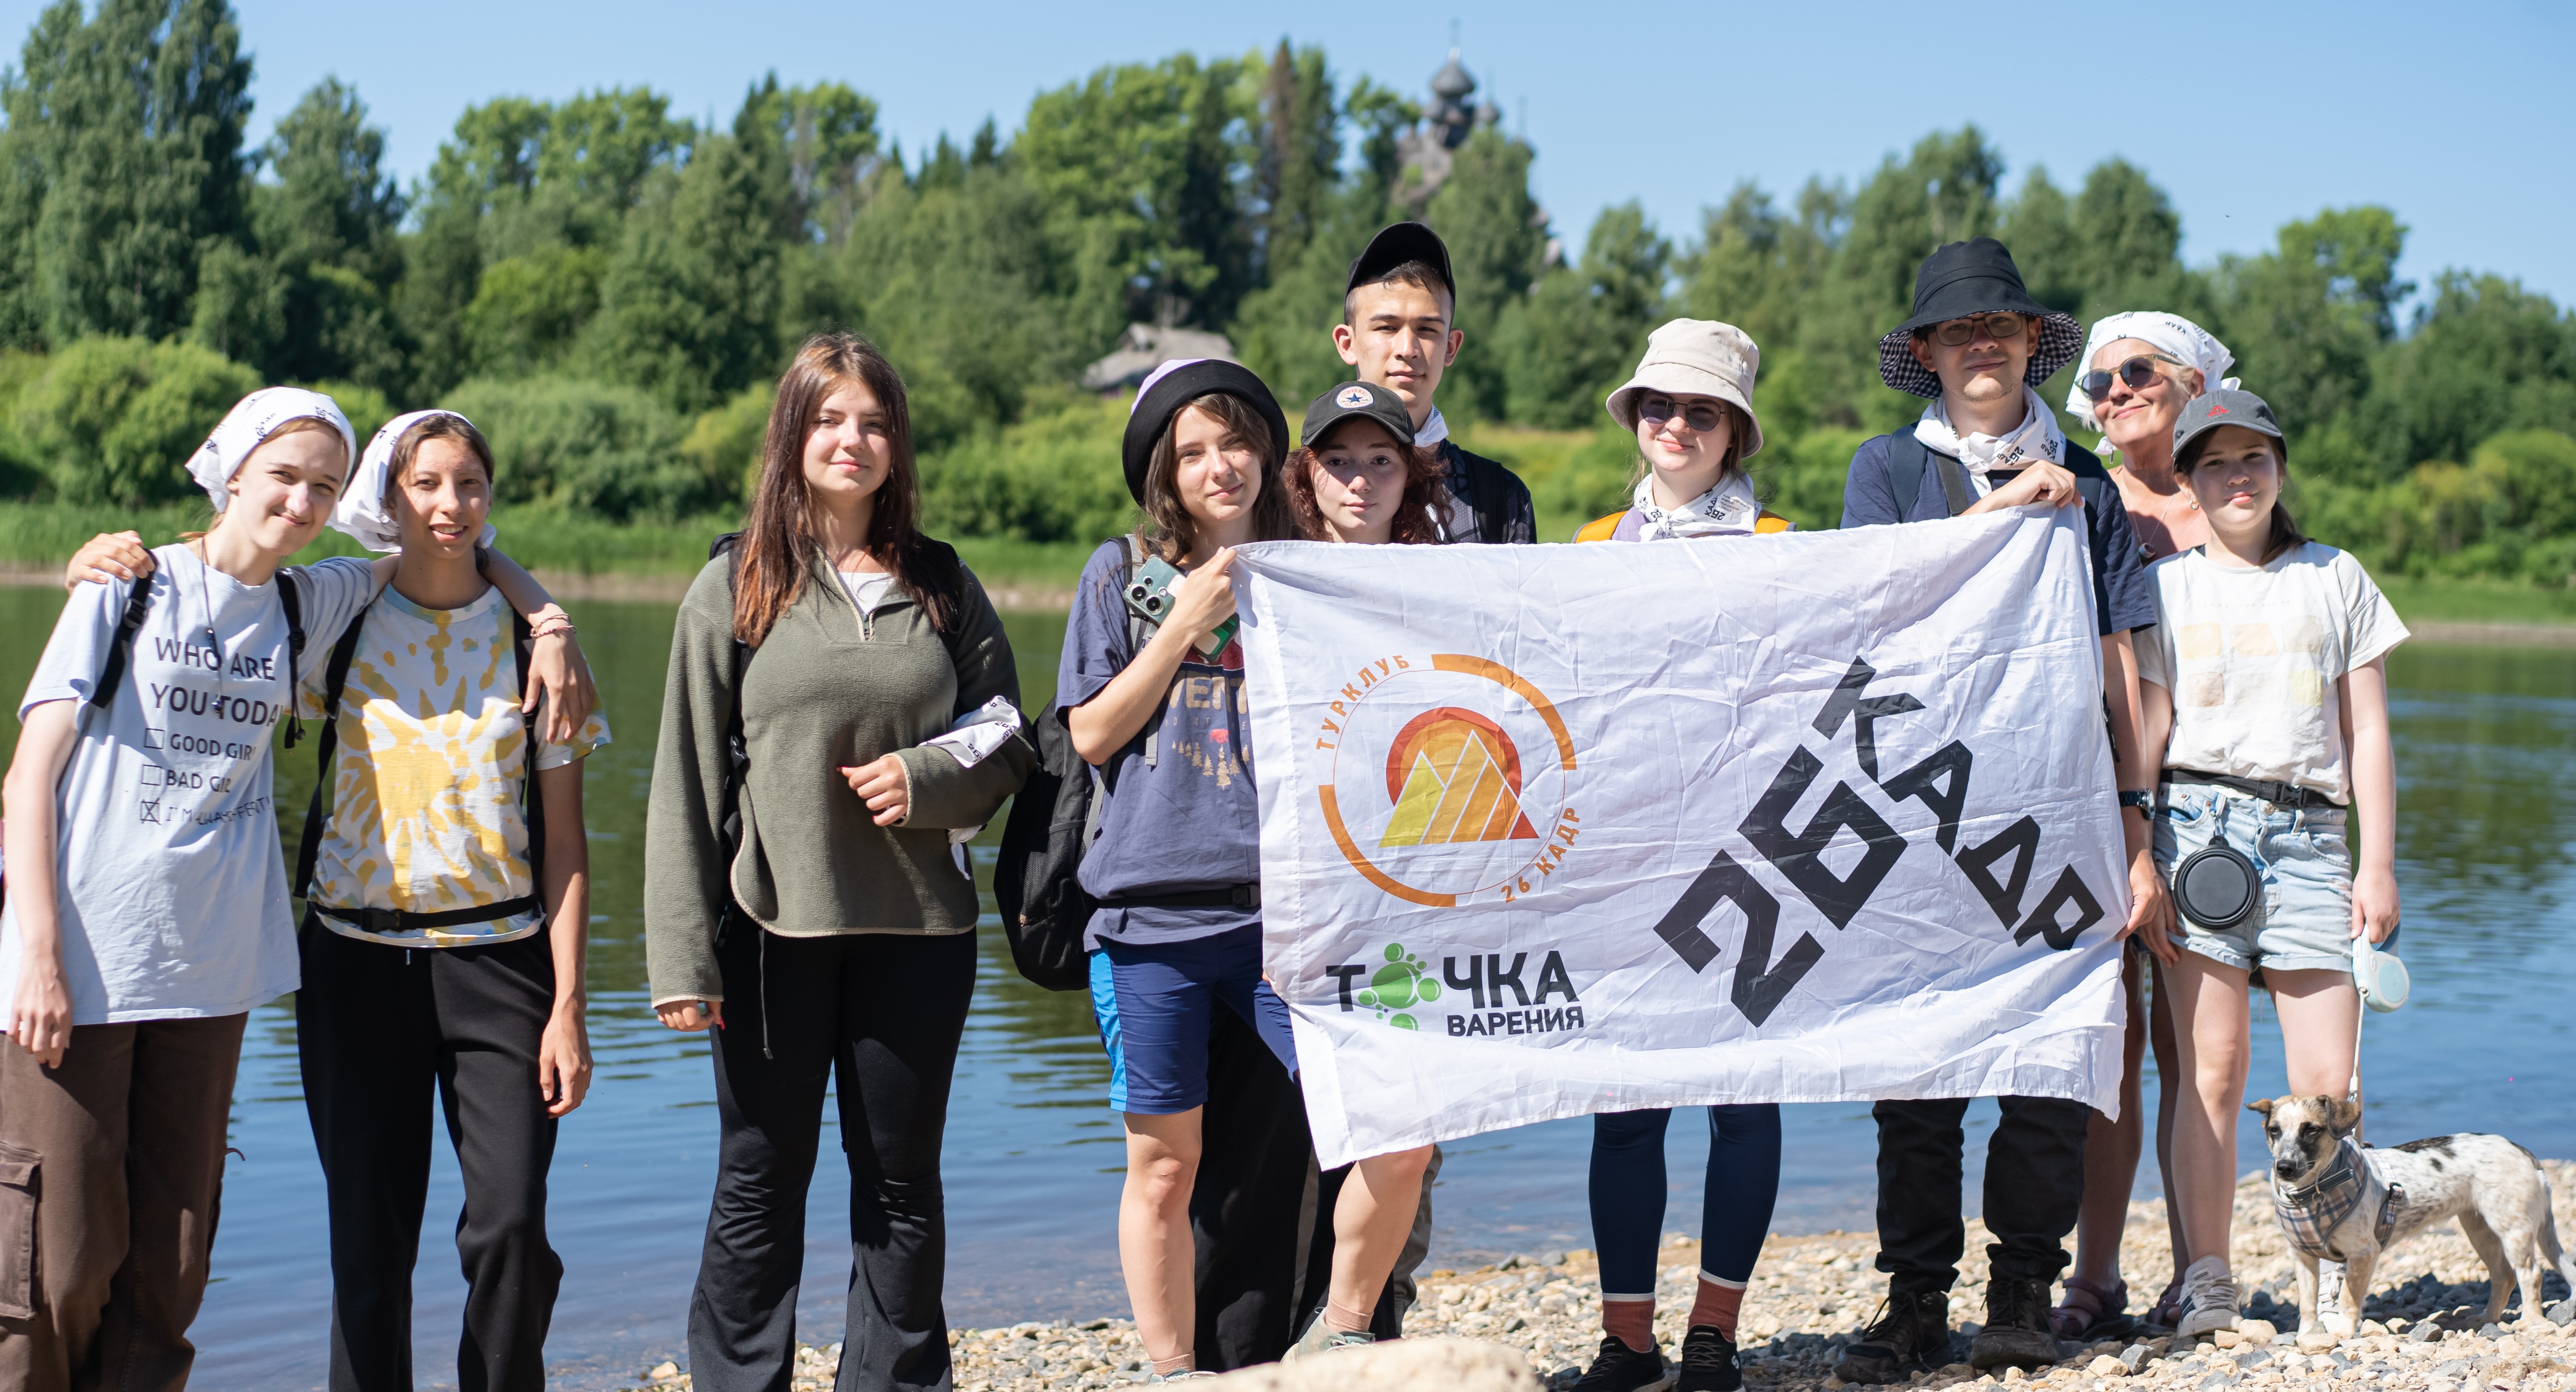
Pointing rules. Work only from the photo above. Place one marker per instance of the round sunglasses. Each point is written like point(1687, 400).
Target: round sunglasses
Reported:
point(1703, 416)
point(2137, 372)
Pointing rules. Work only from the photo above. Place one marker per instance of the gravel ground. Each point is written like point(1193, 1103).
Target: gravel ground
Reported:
point(2424, 1328)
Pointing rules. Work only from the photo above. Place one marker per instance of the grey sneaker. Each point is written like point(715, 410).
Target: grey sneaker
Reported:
point(1323, 1338)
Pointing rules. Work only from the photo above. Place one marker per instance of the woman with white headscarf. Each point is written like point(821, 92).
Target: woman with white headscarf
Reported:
point(2138, 371)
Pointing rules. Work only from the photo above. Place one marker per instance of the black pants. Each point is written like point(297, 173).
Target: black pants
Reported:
point(378, 1028)
point(881, 1014)
point(2034, 1185)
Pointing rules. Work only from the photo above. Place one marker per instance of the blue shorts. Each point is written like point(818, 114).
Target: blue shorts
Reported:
point(1155, 1004)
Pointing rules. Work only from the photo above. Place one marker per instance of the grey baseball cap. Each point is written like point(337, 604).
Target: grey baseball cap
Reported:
point(2225, 406)
point(1364, 400)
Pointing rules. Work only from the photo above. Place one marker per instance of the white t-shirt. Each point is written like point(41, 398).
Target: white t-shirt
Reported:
point(172, 888)
point(2252, 656)
point(866, 587)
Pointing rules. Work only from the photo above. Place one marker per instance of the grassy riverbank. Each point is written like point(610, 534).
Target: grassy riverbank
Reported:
point(655, 559)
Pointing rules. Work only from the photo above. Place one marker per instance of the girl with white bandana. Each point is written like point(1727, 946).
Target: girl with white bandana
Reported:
point(1690, 405)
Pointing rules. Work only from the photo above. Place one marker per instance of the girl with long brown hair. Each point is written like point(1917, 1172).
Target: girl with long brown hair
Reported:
point(840, 712)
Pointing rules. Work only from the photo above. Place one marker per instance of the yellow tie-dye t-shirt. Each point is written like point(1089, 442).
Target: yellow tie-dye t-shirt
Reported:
point(426, 810)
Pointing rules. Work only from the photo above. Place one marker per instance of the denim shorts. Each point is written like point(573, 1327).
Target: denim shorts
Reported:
point(2304, 920)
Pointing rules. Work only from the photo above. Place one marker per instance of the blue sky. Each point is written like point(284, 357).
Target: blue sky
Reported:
point(2456, 116)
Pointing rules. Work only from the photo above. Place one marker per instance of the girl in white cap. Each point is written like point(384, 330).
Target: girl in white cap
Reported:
point(1690, 405)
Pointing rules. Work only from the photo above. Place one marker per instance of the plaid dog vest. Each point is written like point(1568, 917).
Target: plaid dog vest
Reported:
point(2350, 1182)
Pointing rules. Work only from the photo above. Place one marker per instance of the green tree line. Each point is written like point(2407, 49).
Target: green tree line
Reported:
point(608, 288)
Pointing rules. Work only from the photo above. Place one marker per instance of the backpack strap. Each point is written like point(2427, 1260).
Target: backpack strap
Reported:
point(290, 595)
point(737, 754)
point(120, 649)
point(1488, 493)
point(1600, 528)
point(1905, 457)
point(1140, 628)
point(532, 805)
point(317, 818)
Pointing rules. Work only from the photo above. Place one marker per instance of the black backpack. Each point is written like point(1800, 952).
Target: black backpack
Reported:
point(1054, 820)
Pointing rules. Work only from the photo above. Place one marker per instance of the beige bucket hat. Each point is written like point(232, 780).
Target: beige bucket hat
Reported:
point(1696, 357)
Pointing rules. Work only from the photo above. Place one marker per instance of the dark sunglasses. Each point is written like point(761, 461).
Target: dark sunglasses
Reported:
point(1703, 416)
point(2137, 372)
point(2001, 326)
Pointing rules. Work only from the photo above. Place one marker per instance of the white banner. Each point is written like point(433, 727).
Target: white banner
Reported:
point(1817, 817)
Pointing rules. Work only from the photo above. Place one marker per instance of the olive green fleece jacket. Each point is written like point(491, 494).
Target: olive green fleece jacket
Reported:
point(821, 692)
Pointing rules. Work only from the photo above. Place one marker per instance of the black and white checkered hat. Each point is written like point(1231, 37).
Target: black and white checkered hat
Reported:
point(1974, 277)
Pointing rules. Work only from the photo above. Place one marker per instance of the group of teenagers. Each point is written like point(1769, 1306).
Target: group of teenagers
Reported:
point(841, 717)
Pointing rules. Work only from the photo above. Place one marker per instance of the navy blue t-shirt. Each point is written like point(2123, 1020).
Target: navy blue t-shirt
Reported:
point(2122, 600)
point(1188, 821)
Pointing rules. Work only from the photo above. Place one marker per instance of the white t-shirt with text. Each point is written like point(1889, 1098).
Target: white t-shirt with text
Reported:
point(2252, 656)
point(171, 885)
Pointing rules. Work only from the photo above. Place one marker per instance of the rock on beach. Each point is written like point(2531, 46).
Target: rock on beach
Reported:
point(2425, 1327)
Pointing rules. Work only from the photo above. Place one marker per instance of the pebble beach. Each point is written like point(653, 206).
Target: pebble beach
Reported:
point(2424, 1329)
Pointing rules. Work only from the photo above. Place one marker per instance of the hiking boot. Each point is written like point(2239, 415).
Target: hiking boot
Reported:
point(1912, 1331)
point(1708, 1362)
point(2017, 1332)
point(1622, 1369)
point(2208, 1299)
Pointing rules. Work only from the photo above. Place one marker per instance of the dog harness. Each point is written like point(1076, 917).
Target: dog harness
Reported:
point(2350, 1182)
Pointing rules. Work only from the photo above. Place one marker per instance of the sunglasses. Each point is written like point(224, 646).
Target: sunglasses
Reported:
point(2137, 372)
point(1703, 416)
point(2001, 326)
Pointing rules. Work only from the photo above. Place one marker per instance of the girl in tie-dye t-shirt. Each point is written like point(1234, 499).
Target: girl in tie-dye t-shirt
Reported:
point(445, 878)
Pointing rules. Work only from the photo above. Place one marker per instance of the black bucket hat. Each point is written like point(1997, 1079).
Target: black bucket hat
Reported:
point(1974, 277)
point(1175, 385)
point(1394, 245)
point(1361, 400)
point(2225, 406)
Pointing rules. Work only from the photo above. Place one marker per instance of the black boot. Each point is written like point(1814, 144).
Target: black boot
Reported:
point(1912, 1331)
point(2016, 1332)
point(1621, 1368)
point(1708, 1362)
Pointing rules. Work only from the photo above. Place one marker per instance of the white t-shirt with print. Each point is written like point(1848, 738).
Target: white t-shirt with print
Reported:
point(2252, 656)
point(427, 782)
point(171, 886)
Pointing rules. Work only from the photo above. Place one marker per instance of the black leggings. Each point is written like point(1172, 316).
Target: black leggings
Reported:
point(881, 1014)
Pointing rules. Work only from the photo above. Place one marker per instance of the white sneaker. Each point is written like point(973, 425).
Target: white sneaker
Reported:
point(2208, 1298)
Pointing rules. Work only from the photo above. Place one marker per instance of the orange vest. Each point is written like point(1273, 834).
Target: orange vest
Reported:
point(1600, 528)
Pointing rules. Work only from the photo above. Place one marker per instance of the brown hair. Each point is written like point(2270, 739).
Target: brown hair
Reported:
point(775, 553)
point(1169, 530)
point(446, 425)
point(1421, 274)
point(2285, 529)
point(1414, 521)
point(1738, 425)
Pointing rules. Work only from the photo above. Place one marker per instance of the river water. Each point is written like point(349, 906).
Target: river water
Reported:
point(2487, 761)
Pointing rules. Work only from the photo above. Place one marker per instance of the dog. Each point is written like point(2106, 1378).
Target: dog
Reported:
point(2374, 1198)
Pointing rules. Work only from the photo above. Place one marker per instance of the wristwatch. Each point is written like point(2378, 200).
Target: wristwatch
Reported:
point(2144, 802)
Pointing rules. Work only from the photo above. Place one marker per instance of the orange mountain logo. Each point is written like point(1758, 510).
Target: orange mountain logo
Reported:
point(1447, 779)
point(1453, 775)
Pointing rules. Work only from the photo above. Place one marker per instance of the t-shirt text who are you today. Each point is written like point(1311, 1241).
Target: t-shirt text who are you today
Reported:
point(172, 890)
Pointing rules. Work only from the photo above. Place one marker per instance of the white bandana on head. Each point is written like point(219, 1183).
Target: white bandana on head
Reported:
point(1728, 509)
point(1433, 431)
point(253, 419)
point(2036, 438)
point(363, 513)
point(2170, 334)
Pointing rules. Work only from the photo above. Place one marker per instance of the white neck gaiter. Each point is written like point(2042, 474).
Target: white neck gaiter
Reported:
point(2036, 438)
point(1726, 510)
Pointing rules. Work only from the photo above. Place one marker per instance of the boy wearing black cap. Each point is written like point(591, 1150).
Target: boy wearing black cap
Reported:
point(1978, 345)
point(1397, 329)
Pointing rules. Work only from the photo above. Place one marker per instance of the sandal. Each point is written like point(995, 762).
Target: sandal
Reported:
point(2167, 1311)
point(2091, 1313)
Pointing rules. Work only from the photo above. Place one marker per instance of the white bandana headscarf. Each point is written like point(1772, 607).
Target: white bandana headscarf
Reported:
point(2170, 334)
point(363, 513)
point(1728, 509)
point(2036, 438)
point(253, 419)
point(1433, 431)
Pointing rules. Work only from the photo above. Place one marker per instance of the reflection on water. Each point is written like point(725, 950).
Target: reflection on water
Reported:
point(2487, 757)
